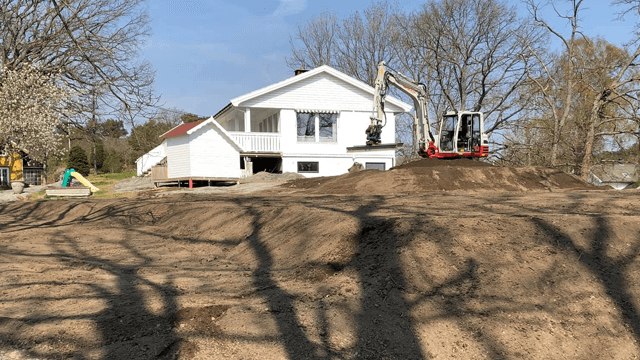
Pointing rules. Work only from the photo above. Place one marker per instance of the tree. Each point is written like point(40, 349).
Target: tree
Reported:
point(145, 137)
point(366, 40)
point(476, 51)
point(78, 160)
point(93, 45)
point(32, 105)
point(113, 129)
point(354, 45)
point(595, 82)
point(555, 86)
point(318, 41)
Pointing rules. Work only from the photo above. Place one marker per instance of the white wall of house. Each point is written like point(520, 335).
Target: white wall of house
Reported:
point(334, 165)
point(211, 155)
point(178, 155)
point(333, 157)
point(150, 159)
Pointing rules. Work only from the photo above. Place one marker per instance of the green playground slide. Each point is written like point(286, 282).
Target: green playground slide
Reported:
point(72, 173)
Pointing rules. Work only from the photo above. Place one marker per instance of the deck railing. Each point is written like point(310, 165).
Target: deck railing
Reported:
point(257, 142)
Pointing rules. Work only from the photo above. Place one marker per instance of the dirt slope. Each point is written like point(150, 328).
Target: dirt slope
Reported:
point(487, 275)
point(430, 175)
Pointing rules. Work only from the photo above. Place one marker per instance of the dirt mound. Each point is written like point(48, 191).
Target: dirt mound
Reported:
point(430, 175)
point(489, 276)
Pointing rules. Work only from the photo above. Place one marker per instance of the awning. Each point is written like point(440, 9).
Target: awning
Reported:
point(311, 111)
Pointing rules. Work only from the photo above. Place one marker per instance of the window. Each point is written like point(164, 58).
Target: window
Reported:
point(376, 166)
point(32, 176)
point(317, 127)
point(4, 177)
point(327, 124)
point(308, 167)
point(306, 127)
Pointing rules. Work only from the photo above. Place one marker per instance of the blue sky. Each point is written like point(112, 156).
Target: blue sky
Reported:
point(206, 52)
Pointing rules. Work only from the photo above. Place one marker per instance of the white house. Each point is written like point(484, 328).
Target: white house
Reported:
point(303, 124)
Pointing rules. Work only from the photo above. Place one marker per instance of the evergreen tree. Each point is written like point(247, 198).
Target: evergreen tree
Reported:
point(99, 155)
point(78, 160)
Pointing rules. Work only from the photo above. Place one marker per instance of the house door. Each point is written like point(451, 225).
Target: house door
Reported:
point(4, 176)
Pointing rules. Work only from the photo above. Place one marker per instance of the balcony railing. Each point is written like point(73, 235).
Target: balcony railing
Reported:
point(257, 142)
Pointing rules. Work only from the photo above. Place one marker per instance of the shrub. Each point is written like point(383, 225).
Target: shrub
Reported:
point(78, 160)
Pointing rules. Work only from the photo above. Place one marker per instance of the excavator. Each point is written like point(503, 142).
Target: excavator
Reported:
point(460, 133)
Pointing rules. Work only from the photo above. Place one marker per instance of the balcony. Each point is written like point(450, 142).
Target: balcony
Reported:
point(252, 142)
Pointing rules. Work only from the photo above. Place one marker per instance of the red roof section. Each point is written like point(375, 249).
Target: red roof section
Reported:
point(182, 129)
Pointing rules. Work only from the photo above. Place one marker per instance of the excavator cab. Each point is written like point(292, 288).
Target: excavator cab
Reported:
point(461, 135)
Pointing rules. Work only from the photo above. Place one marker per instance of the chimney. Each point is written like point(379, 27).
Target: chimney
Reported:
point(302, 70)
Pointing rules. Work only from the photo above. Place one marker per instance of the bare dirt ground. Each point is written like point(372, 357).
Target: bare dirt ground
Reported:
point(507, 264)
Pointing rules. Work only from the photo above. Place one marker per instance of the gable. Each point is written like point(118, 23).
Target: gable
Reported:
point(322, 88)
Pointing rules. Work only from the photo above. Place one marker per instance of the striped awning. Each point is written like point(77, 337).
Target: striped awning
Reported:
point(315, 111)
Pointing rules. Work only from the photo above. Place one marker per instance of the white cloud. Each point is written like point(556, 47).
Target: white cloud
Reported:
point(290, 7)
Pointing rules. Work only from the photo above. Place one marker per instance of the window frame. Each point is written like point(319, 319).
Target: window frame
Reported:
point(317, 138)
point(27, 171)
point(316, 171)
point(384, 166)
point(8, 179)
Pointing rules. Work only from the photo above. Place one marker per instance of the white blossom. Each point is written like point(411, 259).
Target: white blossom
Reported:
point(32, 104)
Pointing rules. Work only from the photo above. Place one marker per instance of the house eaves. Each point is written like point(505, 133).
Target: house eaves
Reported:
point(236, 102)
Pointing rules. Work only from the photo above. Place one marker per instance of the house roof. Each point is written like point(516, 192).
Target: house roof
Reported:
point(321, 69)
point(181, 129)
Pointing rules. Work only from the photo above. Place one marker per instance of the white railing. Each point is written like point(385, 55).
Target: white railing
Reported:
point(257, 142)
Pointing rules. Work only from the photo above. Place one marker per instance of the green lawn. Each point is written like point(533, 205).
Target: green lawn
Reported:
point(106, 182)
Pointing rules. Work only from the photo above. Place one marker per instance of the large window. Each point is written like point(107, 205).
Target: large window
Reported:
point(317, 127)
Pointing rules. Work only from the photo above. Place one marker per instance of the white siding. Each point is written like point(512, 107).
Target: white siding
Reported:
point(323, 91)
point(350, 132)
point(212, 155)
point(334, 165)
point(178, 163)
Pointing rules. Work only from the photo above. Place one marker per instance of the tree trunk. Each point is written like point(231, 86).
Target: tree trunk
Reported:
point(95, 159)
point(554, 149)
point(585, 167)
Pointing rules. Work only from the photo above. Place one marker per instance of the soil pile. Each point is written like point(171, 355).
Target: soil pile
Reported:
point(430, 175)
point(526, 276)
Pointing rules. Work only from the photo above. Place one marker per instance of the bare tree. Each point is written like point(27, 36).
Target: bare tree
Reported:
point(556, 87)
point(90, 43)
point(317, 42)
point(354, 45)
point(366, 40)
point(593, 83)
point(476, 52)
